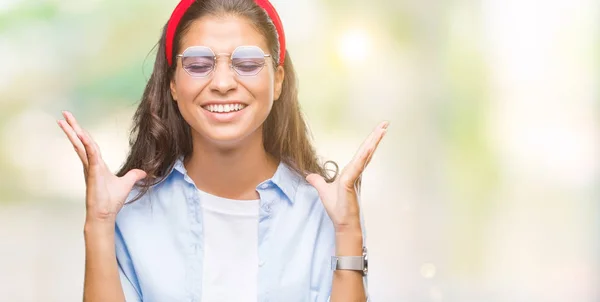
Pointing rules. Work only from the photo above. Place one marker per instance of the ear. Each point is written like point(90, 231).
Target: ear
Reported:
point(173, 89)
point(279, 76)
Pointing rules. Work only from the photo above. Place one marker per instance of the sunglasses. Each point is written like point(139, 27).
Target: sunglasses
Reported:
point(200, 61)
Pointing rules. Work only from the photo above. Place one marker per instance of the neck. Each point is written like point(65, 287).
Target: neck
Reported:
point(230, 172)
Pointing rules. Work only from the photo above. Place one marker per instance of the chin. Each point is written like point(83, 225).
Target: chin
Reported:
point(227, 136)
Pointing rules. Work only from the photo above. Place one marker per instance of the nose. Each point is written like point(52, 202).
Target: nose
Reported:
point(223, 79)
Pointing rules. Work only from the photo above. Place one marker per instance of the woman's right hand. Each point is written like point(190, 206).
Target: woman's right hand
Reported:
point(105, 192)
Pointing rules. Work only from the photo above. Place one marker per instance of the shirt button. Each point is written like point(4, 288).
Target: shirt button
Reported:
point(264, 186)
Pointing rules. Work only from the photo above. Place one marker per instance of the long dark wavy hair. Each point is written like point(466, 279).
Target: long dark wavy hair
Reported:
point(160, 135)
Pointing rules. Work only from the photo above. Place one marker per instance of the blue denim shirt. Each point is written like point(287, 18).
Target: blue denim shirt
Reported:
point(159, 241)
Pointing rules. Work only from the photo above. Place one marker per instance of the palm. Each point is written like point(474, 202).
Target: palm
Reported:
point(105, 192)
point(340, 198)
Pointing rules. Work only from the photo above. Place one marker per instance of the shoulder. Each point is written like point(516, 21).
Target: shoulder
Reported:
point(306, 202)
point(296, 188)
point(294, 185)
point(307, 193)
point(161, 199)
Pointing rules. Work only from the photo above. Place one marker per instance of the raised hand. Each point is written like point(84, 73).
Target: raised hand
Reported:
point(340, 197)
point(105, 192)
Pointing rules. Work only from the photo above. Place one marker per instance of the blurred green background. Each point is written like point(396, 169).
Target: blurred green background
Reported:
point(486, 187)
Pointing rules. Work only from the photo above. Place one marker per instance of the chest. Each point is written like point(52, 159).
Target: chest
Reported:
point(288, 252)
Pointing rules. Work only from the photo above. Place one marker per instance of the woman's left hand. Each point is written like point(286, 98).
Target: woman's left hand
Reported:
point(340, 197)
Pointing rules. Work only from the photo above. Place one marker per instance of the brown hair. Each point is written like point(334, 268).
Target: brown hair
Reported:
point(160, 135)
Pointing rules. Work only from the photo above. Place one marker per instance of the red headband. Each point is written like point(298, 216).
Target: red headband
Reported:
point(183, 6)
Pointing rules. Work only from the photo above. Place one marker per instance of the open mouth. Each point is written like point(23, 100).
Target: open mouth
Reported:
point(224, 108)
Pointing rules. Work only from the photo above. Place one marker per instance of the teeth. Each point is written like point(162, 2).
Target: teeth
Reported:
point(224, 108)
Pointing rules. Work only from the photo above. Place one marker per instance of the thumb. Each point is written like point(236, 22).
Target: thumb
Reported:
point(318, 182)
point(133, 176)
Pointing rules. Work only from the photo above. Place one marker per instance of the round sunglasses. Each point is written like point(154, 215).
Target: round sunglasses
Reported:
point(200, 61)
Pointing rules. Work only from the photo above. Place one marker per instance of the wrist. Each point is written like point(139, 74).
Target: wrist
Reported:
point(353, 227)
point(98, 228)
point(349, 244)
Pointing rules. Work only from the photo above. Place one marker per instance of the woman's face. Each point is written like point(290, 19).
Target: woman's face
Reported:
point(203, 101)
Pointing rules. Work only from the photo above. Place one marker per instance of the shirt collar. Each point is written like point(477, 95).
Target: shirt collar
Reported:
point(285, 178)
point(179, 167)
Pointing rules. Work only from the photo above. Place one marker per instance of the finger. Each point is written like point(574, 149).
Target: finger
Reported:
point(81, 132)
point(360, 150)
point(368, 140)
point(94, 142)
point(317, 181)
point(321, 185)
point(70, 118)
point(132, 177)
point(90, 149)
point(357, 184)
point(75, 141)
point(72, 121)
point(376, 144)
point(363, 156)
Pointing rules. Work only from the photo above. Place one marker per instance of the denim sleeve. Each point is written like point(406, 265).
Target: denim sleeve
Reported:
point(129, 290)
point(127, 274)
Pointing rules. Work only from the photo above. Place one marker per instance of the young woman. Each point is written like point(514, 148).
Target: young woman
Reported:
point(221, 197)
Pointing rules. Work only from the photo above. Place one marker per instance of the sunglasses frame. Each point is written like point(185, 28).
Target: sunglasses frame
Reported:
point(215, 56)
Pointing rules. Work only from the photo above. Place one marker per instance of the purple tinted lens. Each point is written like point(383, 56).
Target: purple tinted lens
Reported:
point(198, 61)
point(248, 60)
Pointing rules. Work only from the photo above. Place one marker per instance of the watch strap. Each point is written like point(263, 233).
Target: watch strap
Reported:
point(354, 263)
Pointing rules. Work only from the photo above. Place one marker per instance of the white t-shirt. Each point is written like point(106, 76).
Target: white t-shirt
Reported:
point(230, 249)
